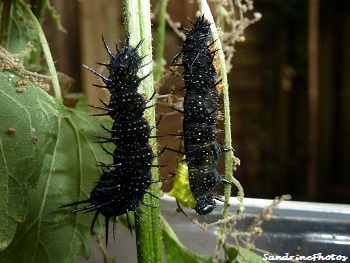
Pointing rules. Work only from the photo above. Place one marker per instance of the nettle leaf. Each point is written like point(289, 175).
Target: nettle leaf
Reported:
point(67, 169)
point(242, 255)
point(176, 252)
point(21, 31)
point(48, 235)
point(28, 131)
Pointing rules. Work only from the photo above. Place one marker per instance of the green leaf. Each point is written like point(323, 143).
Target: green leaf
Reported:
point(176, 252)
point(21, 30)
point(28, 131)
point(68, 175)
point(49, 158)
point(242, 255)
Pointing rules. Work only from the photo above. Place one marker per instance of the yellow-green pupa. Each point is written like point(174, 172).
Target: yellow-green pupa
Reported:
point(181, 187)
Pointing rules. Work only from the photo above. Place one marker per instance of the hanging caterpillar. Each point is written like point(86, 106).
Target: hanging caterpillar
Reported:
point(202, 151)
point(126, 180)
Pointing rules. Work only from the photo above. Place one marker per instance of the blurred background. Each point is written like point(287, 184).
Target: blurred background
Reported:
point(288, 141)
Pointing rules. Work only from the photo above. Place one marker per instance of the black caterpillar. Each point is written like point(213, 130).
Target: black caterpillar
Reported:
point(126, 180)
point(200, 115)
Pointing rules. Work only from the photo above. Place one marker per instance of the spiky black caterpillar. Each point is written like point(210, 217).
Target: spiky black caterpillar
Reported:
point(126, 180)
point(200, 115)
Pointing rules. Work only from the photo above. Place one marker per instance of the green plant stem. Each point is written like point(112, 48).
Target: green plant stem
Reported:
point(46, 50)
point(230, 160)
point(148, 231)
point(5, 22)
point(158, 69)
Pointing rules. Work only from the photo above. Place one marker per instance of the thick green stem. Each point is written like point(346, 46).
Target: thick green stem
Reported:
point(46, 50)
point(158, 69)
point(148, 231)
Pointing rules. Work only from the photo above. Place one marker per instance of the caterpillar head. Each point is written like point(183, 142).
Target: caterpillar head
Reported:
point(205, 204)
